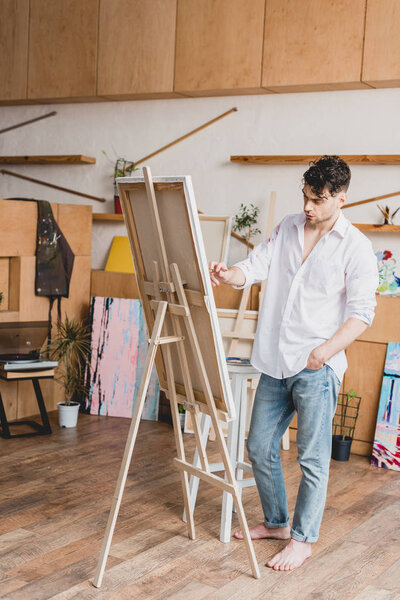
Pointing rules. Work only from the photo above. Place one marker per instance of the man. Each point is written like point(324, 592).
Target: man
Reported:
point(322, 276)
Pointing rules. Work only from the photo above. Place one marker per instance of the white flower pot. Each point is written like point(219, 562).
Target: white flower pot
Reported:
point(68, 415)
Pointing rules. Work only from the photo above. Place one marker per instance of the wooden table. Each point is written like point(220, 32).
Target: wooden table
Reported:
point(39, 428)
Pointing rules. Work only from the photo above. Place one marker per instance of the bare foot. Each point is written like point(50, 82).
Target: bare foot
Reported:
point(291, 557)
point(260, 531)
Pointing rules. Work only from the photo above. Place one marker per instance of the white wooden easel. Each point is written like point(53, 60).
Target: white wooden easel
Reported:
point(170, 298)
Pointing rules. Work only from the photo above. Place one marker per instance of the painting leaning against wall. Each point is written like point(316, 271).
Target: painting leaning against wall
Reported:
point(386, 448)
point(118, 352)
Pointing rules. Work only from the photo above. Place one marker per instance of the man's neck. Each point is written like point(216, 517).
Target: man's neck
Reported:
point(321, 228)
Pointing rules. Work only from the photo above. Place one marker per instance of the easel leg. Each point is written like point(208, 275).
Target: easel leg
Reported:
point(179, 442)
point(233, 426)
point(130, 442)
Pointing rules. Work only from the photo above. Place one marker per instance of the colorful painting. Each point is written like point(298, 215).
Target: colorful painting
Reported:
point(386, 449)
point(118, 352)
point(389, 273)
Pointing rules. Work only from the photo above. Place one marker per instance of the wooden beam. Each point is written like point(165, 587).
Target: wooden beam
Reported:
point(70, 159)
point(281, 159)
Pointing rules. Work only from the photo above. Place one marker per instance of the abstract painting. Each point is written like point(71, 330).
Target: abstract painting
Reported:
point(389, 273)
point(118, 352)
point(386, 449)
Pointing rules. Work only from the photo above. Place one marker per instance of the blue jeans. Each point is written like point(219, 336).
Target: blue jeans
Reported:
point(313, 394)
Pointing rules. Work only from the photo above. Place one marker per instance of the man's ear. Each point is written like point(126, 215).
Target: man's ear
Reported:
point(342, 199)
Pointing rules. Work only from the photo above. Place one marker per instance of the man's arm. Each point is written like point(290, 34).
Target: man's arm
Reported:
point(362, 279)
point(344, 336)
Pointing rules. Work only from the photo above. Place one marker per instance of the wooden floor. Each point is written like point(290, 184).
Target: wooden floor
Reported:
point(56, 491)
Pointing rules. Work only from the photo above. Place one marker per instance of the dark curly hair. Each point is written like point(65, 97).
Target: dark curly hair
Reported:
point(329, 171)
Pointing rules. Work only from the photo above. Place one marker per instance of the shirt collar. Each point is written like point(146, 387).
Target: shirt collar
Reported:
point(340, 226)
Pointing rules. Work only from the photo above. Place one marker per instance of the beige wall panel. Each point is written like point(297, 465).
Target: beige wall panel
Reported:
point(4, 278)
point(136, 47)
point(313, 44)
point(114, 285)
point(9, 394)
point(218, 45)
point(364, 375)
point(381, 67)
point(62, 49)
point(14, 16)
point(386, 324)
point(77, 305)
point(18, 223)
point(18, 228)
point(76, 224)
point(27, 403)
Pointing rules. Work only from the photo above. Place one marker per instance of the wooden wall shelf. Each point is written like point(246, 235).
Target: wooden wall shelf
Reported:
point(354, 159)
point(70, 159)
point(377, 228)
point(107, 217)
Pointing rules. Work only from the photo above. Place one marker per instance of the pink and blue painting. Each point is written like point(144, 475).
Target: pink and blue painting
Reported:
point(118, 353)
point(386, 449)
point(389, 273)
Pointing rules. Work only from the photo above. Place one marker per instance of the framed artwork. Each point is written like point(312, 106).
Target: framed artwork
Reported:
point(118, 350)
point(386, 449)
point(389, 273)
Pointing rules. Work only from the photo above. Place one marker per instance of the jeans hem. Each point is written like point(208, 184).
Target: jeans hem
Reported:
point(302, 538)
point(275, 525)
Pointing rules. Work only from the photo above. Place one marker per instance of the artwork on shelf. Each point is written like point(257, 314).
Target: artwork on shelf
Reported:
point(120, 258)
point(389, 273)
point(386, 449)
point(118, 352)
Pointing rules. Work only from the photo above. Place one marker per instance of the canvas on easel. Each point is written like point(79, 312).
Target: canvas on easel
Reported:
point(185, 344)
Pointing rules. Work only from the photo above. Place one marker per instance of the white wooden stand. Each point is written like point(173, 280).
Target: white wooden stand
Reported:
point(236, 440)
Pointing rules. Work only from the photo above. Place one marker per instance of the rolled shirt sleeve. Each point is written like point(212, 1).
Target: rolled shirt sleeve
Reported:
point(256, 266)
point(362, 280)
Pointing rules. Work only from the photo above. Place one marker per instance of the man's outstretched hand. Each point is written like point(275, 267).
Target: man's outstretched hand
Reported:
point(219, 273)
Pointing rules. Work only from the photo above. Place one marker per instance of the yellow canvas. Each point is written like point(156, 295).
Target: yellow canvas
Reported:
point(120, 258)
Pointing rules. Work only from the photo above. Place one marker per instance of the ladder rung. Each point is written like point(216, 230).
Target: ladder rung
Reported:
point(169, 339)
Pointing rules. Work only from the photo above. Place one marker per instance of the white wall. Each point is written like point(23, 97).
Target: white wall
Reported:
point(348, 122)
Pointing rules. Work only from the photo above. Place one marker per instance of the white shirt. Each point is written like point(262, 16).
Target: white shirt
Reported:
point(305, 304)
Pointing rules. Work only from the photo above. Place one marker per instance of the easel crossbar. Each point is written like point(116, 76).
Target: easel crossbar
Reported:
point(209, 477)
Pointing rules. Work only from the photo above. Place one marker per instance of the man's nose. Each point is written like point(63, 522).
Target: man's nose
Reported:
point(307, 205)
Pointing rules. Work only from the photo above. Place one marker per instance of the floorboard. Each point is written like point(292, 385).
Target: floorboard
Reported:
point(56, 492)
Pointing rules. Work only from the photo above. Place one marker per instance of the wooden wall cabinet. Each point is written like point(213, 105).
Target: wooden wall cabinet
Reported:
point(62, 49)
point(136, 48)
point(219, 47)
point(381, 66)
point(313, 45)
point(14, 15)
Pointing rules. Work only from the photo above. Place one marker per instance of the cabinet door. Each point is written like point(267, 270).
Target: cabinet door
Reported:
point(381, 66)
point(62, 49)
point(219, 46)
point(13, 49)
point(313, 45)
point(136, 48)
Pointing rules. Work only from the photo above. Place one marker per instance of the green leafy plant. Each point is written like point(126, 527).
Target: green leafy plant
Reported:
point(71, 348)
point(245, 222)
point(122, 168)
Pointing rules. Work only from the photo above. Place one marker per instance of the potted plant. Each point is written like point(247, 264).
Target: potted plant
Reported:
point(245, 221)
point(181, 416)
point(71, 348)
point(344, 423)
point(122, 168)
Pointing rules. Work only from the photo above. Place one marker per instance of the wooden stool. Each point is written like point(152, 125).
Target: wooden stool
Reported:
point(40, 428)
point(240, 375)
